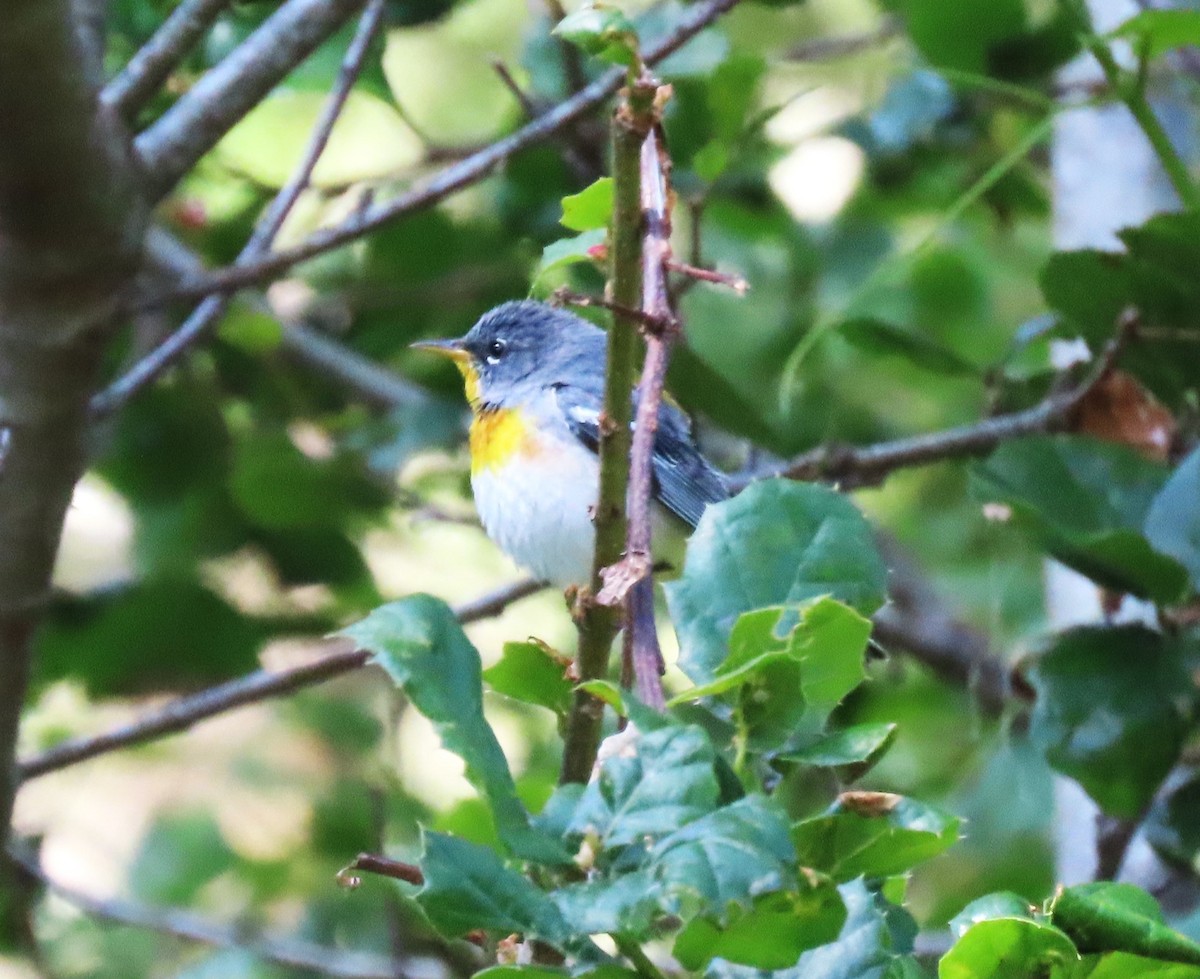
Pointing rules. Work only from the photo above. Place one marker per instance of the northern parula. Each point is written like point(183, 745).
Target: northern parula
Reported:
point(535, 381)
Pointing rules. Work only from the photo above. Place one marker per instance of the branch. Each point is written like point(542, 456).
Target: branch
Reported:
point(852, 467)
point(829, 48)
point(597, 622)
point(151, 366)
point(223, 96)
point(70, 224)
point(294, 952)
point(182, 713)
point(642, 652)
point(149, 68)
point(452, 178)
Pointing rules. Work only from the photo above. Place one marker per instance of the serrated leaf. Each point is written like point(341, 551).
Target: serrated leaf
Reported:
point(778, 543)
point(421, 645)
point(468, 887)
point(888, 339)
point(1112, 917)
point(625, 904)
point(1173, 521)
point(846, 844)
point(727, 857)
point(1113, 707)
point(589, 209)
point(1085, 501)
point(1155, 32)
point(528, 672)
point(1009, 947)
point(667, 782)
point(1003, 904)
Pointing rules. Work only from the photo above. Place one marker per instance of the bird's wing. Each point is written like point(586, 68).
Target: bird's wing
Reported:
point(684, 482)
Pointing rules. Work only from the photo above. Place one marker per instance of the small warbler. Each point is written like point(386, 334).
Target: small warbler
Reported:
point(535, 381)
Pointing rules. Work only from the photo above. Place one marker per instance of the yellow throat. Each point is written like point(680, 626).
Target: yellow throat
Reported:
point(497, 434)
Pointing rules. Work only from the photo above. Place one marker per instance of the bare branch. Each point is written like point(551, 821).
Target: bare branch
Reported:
point(852, 467)
point(371, 863)
point(452, 178)
point(294, 952)
point(643, 657)
point(195, 124)
point(211, 309)
point(829, 48)
point(182, 713)
point(132, 89)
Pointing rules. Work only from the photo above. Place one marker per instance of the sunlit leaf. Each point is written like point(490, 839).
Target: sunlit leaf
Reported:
point(1114, 917)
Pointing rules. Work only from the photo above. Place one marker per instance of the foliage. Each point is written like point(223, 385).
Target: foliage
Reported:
point(802, 810)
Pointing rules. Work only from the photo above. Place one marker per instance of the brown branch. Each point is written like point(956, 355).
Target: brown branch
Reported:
point(224, 95)
point(150, 67)
point(70, 223)
point(643, 657)
point(184, 712)
point(150, 367)
point(851, 467)
point(294, 952)
point(452, 178)
point(371, 863)
point(518, 93)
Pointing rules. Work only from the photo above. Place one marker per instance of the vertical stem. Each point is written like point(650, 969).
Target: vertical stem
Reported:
point(598, 624)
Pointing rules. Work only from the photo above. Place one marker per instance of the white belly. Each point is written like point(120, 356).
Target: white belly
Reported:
point(538, 510)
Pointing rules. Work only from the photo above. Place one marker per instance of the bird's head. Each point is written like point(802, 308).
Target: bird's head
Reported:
point(519, 348)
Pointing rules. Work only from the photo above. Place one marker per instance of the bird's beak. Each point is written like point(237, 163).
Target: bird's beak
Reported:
point(454, 349)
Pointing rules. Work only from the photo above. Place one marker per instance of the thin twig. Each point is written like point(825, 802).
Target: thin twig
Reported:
point(373, 863)
point(150, 367)
point(184, 712)
point(518, 93)
point(564, 296)
point(453, 178)
point(852, 467)
point(224, 95)
point(130, 91)
point(294, 952)
point(642, 652)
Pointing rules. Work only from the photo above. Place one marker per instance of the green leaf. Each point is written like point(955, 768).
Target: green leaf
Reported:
point(668, 782)
point(250, 330)
point(1009, 948)
point(369, 142)
point(569, 251)
point(861, 744)
point(771, 934)
point(852, 840)
point(1003, 904)
point(1111, 917)
point(778, 543)
point(420, 644)
point(1122, 965)
point(1085, 501)
point(529, 672)
point(888, 339)
point(1113, 707)
point(867, 947)
point(962, 34)
point(626, 904)
point(1173, 521)
point(468, 887)
point(1155, 32)
point(1173, 825)
point(603, 32)
point(727, 857)
point(589, 209)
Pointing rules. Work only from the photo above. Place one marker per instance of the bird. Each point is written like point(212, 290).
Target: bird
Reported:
point(534, 379)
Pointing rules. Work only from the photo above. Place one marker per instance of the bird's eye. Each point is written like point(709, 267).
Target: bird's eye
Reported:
point(495, 350)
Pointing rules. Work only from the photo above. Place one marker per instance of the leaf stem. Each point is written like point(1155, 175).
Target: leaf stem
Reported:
point(638, 958)
point(1134, 97)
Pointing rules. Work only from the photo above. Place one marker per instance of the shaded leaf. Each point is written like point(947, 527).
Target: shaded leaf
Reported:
point(861, 744)
point(846, 844)
point(888, 339)
point(1173, 521)
point(569, 251)
point(529, 672)
point(1172, 826)
point(1085, 501)
point(603, 32)
point(421, 645)
point(1113, 706)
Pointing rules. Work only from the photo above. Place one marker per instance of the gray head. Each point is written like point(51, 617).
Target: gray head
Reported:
point(520, 347)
